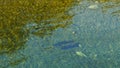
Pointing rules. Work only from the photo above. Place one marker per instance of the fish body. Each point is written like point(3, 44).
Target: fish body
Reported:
point(65, 45)
point(70, 46)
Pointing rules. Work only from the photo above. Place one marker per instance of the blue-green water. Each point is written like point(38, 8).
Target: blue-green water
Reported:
point(96, 32)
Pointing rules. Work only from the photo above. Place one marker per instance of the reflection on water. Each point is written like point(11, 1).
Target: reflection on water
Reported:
point(16, 14)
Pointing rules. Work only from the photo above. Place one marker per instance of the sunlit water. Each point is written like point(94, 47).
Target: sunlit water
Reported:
point(96, 33)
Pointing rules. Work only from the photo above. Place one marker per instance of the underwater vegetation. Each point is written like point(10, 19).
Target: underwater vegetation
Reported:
point(48, 15)
point(115, 4)
point(15, 14)
point(104, 1)
point(108, 5)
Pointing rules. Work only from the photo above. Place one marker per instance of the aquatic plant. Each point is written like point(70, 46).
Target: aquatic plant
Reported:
point(112, 4)
point(15, 14)
point(48, 15)
point(109, 4)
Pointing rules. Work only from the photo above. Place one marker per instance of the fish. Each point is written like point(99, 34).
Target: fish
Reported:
point(65, 45)
point(70, 46)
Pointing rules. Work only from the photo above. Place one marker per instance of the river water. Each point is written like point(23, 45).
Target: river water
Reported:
point(92, 40)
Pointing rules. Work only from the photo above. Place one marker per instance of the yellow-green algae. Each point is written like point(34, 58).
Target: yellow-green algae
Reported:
point(104, 1)
point(109, 4)
point(15, 14)
point(115, 4)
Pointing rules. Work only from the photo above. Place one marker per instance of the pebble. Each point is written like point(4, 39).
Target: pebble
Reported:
point(73, 32)
point(80, 45)
point(93, 6)
point(79, 53)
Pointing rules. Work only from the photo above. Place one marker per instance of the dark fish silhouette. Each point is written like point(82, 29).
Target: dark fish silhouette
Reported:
point(64, 45)
point(70, 46)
